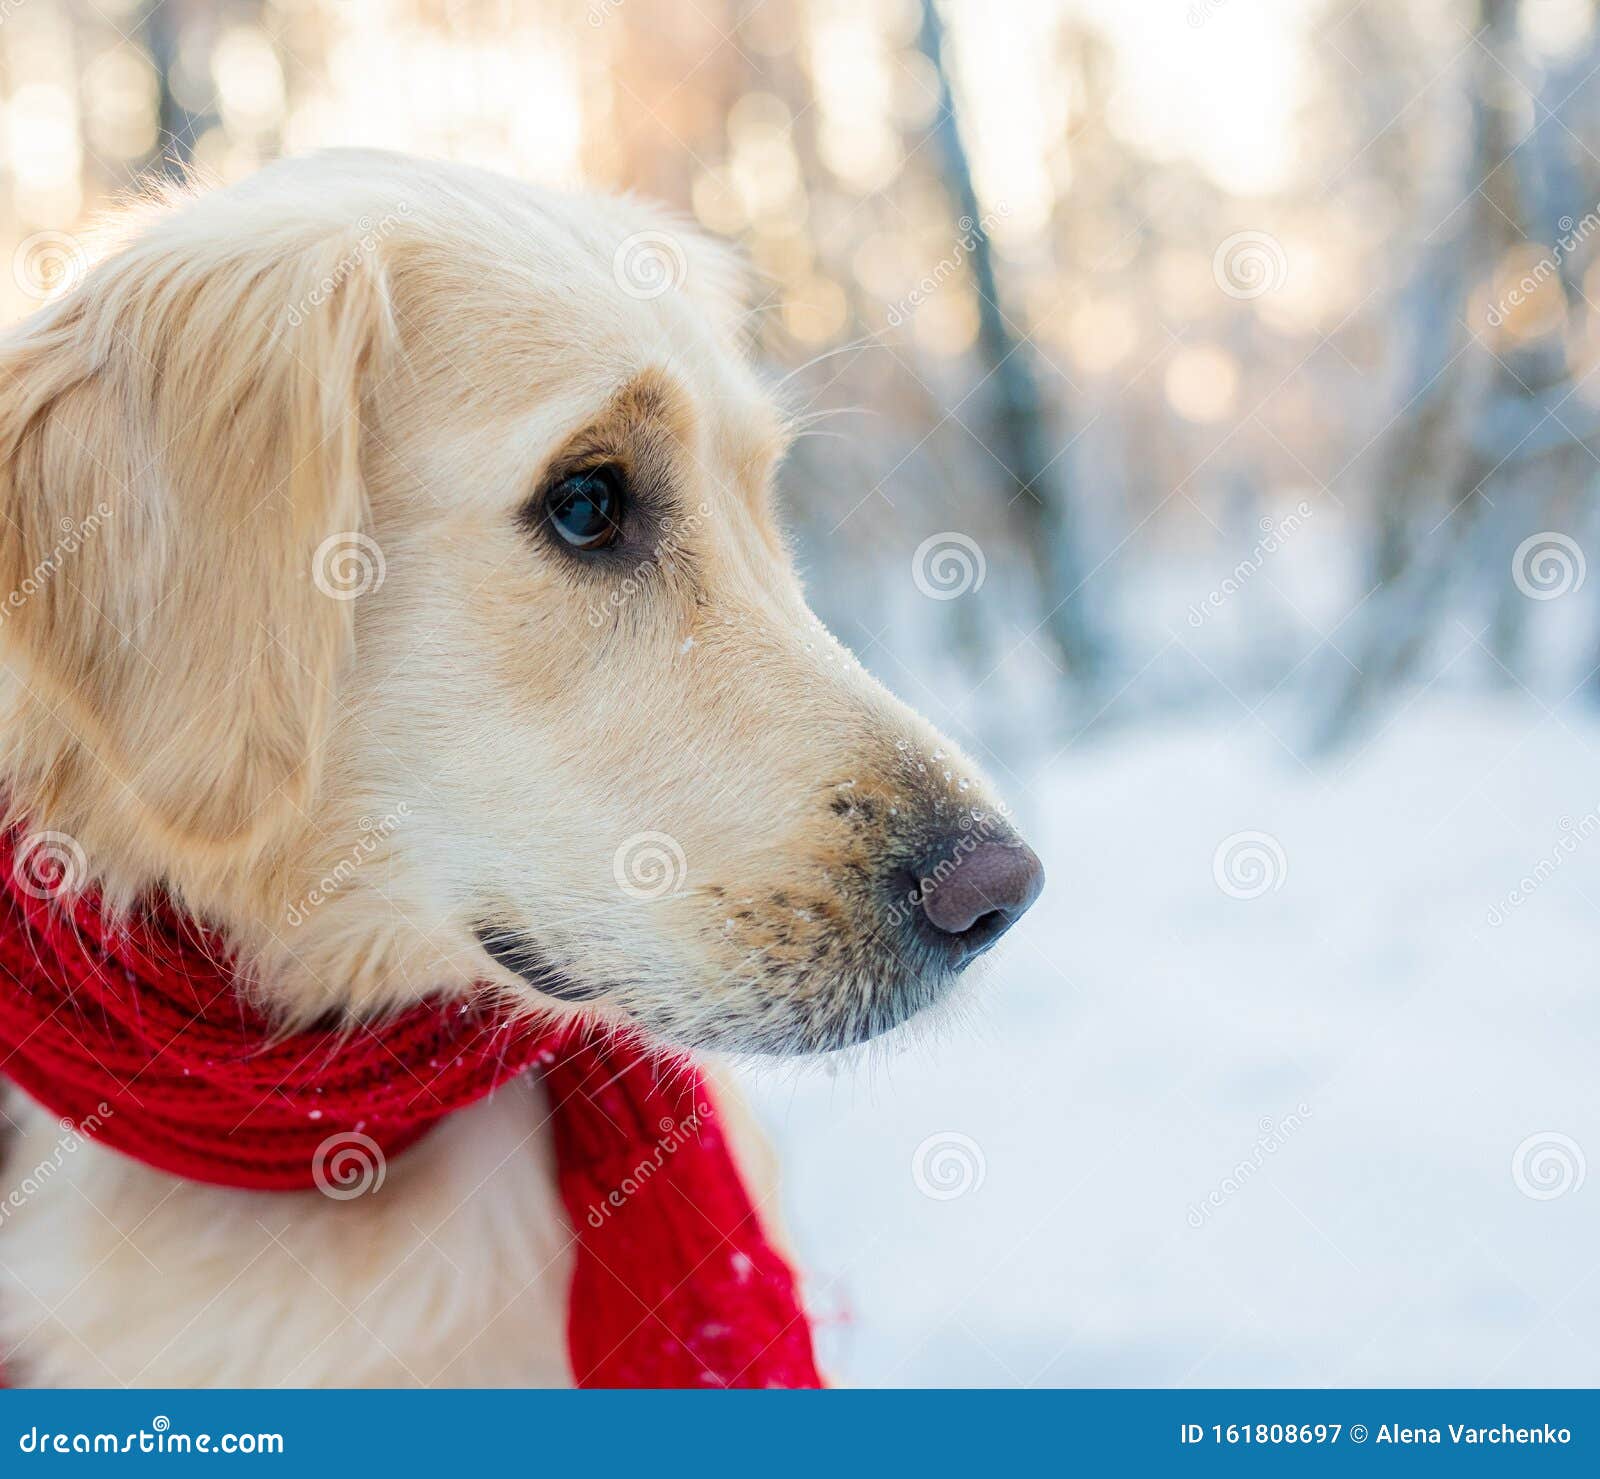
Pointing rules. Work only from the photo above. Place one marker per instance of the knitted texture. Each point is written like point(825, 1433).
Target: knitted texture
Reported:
point(134, 1030)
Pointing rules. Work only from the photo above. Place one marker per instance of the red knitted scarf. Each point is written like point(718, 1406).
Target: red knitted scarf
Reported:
point(134, 1032)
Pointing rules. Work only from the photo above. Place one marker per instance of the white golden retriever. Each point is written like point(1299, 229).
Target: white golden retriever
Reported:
point(587, 629)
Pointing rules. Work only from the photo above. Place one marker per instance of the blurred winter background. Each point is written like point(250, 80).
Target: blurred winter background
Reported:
point(1203, 428)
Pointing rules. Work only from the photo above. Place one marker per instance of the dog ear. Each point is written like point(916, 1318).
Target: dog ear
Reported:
point(181, 490)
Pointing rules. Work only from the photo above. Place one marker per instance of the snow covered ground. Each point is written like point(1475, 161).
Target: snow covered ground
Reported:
point(1333, 1133)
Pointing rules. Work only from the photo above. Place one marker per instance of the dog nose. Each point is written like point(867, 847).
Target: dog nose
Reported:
point(978, 896)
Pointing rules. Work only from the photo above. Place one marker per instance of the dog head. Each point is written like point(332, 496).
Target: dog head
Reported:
point(425, 622)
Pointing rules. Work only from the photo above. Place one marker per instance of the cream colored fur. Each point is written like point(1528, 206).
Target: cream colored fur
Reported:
point(354, 356)
point(454, 1273)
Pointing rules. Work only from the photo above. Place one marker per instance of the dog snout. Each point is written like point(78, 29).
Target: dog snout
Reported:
point(970, 895)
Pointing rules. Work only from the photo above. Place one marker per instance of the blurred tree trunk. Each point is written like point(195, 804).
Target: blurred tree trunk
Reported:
point(1432, 464)
point(1554, 197)
point(161, 27)
point(1018, 426)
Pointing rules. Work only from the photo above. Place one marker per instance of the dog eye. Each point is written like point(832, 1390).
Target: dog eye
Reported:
point(585, 508)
